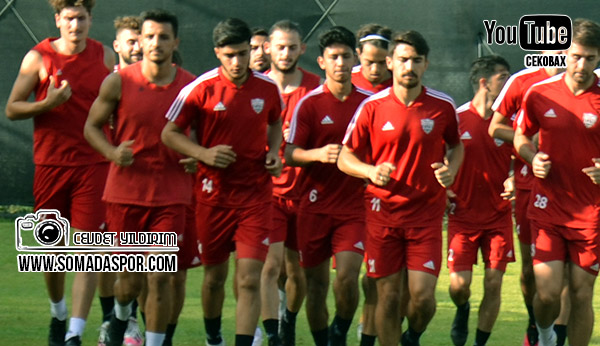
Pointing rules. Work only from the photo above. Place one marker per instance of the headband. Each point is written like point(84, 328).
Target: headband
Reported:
point(373, 37)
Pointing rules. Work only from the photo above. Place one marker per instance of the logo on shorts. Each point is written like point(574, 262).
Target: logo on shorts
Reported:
point(257, 105)
point(427, 125)
point(510, 254)
point(589, 119)
point(595, 267)
point(360, 246)
point(498, 142)
point(429, 265)
point(371, 263)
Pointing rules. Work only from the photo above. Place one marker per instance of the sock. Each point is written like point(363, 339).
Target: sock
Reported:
point(271, 326)
point(143, 314)
point(213, 330)
point(134, 308)
point(321, 337)
point(59, 309)
point(412, 336)
point(561, 334)
point(290, 317)
point(122, 312)
point(170, 332)
point(339, 327)
point(76, 326)
point(481, 337)
point(367, 340)
point(547, 335)
point(531, 315)
point(107, 304)
point(463, 310)
point(243, 340)
point(154, 339)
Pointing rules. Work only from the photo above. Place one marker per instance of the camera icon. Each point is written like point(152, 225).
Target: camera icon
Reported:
point(47, 227)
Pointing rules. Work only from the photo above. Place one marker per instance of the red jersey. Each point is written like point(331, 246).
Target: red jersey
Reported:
point(569, 132)
point(508, 104)
point(58, 134)
point(480, 180)
point(156, 178)
point(320, 119)
point(359, 80)
point(412, 138)
point(235, 116)
point(283, 186)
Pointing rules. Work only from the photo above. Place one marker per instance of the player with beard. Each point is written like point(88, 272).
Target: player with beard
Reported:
point(405, 141)
point(565, 196)
point(259, 59)
point(285, 48)
point(126, 43)
point(372, 74)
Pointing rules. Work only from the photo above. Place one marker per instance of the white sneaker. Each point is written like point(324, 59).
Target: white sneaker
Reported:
point(221, 344)
point(359, 330)
point(103, 338)
point(133, 336)
point(258, 337)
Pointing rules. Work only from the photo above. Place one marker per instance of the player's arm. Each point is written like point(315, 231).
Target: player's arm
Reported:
point(273, 162)
point(105, 105)
point(109, 58)
point(297, 156)
point(446, 171)
point(499, 128)
point(18, 107)
point(219, 156)
point(526, 148)
point(350, 164)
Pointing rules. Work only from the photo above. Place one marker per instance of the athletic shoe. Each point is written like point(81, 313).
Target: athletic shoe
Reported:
point(258, 337)
point(116, 331)
point(531, 336)
point(460, 326)
point(359, 330)
point(58, 329)
point(73, 341)
point(222, 343)
point(102, 338)
point(404, 341)
point(133, 336)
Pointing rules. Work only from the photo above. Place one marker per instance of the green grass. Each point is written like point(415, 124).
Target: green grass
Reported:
point(24, 315)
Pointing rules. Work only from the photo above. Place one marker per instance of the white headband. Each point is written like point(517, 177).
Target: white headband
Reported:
point(373, 37)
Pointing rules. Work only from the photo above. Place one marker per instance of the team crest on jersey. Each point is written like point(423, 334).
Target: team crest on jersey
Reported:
point(427, 125)
point(257, 105)
point(589, 119)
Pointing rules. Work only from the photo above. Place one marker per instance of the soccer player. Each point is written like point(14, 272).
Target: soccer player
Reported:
point(502, 127)
point(330, 213)
point(237, 113)
point(563, 208)
point(65, 74)
point(126, 43)
point(127, 47)
point(259, 59)
point(284, 49)
point(397, 140)
point(372, 74)
point(139, 96)
point(479, 217)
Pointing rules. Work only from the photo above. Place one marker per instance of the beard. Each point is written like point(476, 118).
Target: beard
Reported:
point(288, 70)
point(409, 84)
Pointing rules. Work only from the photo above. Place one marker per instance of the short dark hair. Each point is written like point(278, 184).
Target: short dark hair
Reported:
point(287, 26)
point(231, 31)
point(362, 35)
point(411, 38)
point(259, 31)
point(586, 33)
point(59, 5)
point(161, 16)
point(337, 35)
point(127, 22)
point(485, 67)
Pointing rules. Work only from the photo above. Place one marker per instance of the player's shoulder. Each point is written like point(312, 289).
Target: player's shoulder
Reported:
point(310, 79)
point(264, 79)
point(185, 74)
point(546, 84)
point(463, 108)
point(440, 97)
point(363, 92)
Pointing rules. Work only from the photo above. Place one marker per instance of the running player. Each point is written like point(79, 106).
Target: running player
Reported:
point(330, 214)
point(372, 74)
point(126, 43)
point(502, 126)
point(65, 74)
point(564, 201)
point(479, 217)
point(397, 140)
point(139, 96)
point(237, 114)
point(259, 59)
point(285, 48)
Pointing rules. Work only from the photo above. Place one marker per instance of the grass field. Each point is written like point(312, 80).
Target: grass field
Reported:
point(24, 315)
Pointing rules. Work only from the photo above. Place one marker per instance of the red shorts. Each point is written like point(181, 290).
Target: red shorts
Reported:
point(390, 249)
point(222, 230)
point(322, 235)
point(523, 223)
point(76, 192)
point(496, 247)
point(285, 212)
point(189, 254)
point(560, 243)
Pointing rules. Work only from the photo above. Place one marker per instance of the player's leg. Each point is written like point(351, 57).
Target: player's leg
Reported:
point(345, 290)
point(106, 295)
point(269, 289)
point(560, 325)
point(213, 296)
point(387, 310)
point(460, 292)
point(177, 292)
point(490, 304)
point(317, 285)
point(248, 304)
point(581, 285)
point(295, 291)
point(368, 332)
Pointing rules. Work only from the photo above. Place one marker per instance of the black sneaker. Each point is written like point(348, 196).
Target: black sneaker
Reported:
point(531, 336)
point(116, 331)
point(274, 341)
point(405, 340)
point(335, 337)
point(460, 326)
point(288, 333)
point(58, 329)
point(73, 341)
